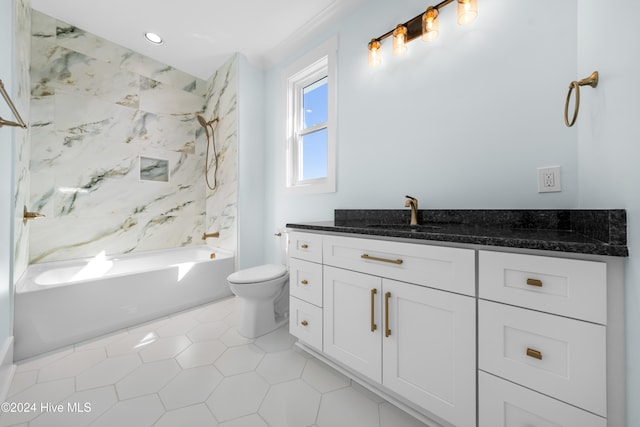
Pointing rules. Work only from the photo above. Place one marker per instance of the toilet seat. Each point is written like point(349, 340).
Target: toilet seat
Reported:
point(261, 273)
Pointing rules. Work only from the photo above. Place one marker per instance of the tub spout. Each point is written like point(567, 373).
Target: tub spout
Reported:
point(205, 236)
point(30, 215)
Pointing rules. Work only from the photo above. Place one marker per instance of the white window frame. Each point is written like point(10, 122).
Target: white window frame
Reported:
point(317, 64)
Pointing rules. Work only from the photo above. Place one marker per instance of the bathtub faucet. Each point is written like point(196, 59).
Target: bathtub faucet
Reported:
point(207, 235)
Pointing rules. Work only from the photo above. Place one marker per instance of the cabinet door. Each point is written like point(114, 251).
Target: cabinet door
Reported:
point(429, 355)
point(352, 303)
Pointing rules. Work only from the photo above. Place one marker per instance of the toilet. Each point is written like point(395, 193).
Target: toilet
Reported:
point(264, 295)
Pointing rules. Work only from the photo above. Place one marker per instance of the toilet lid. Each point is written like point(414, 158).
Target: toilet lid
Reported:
point(262, 273)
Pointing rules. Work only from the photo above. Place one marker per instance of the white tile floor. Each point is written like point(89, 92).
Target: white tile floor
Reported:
point(188, 370)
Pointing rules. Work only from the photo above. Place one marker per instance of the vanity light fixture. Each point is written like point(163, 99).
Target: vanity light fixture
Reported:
point(153, 38)
point(425, 25)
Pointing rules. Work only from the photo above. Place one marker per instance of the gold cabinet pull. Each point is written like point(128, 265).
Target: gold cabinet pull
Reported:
point(534, 353)
point(304, 246)
point(374, 291)
point(387, 331)
point(373, 258)
point(534, 282)
point(304, 323)
point(304, 282)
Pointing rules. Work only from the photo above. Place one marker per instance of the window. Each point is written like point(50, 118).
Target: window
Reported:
point(311, 123)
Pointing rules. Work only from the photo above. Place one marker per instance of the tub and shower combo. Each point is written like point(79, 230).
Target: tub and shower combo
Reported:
point(62, 303)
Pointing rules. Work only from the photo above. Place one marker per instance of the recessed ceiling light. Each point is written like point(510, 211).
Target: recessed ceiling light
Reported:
point(153, 38)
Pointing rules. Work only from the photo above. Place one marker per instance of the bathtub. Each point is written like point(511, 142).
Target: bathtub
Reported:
point(63, 303)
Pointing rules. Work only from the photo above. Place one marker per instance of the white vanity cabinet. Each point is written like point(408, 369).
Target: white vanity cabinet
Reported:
point(542, 341)
point(402, 316)
point(524, 340)
point(305, 287)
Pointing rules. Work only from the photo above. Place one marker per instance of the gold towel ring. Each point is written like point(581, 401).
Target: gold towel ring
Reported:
point(592, 81)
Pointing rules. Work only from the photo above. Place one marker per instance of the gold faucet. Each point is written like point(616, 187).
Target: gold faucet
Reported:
point(413, 203)
point(205, 236)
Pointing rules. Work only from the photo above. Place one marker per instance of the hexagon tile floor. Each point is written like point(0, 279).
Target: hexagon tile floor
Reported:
point(192, 369)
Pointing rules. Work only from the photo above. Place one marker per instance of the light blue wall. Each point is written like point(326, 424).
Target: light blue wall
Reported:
point(251, 191)
point(460, 123)
point(464, 123)
point(6, 174)
point(609, 146)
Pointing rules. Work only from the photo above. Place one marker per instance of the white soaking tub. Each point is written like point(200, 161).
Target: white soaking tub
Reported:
point(62, 303)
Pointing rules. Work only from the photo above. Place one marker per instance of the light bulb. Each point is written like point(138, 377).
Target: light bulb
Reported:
point(430, 24)
point(400, 40)
point(374, 53)
point(467, 11)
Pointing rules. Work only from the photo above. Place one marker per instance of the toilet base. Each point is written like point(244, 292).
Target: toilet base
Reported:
point(258, 318)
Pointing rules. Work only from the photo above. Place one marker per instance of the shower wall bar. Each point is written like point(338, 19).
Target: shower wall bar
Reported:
point(3, 122)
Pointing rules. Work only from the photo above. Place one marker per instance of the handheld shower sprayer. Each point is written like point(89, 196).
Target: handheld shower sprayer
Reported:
point(209, 125)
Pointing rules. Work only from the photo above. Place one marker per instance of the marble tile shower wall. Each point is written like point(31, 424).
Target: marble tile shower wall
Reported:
point(96, 107)
point(221, 203)
point(22, 41)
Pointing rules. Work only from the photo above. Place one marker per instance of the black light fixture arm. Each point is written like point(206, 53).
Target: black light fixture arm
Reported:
point(414, 25)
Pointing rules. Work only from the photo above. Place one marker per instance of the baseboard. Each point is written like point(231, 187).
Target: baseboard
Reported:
point(7, 368)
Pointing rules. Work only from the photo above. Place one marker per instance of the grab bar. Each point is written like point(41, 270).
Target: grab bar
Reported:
point(4, 122)
point(592, 81)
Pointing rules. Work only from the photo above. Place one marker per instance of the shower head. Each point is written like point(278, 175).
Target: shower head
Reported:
point(204, 123)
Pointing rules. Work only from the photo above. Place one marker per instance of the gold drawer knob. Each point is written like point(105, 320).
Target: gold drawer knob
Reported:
point(304, 323)
point(534, 353)
point(534, 282)
point(304, 246)
point(304, 282)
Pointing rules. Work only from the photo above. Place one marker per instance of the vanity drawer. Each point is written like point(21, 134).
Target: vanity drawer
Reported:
point(449, 269)
point(305, 281)
point(305, 322)
point(560, 357)
point(505, 404)
point(307, 246)
point(568, 287)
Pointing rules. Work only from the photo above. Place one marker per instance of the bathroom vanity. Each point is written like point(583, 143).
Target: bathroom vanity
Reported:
point(469, 320)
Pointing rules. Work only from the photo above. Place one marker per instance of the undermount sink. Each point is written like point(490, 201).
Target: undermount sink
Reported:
point(406, 227)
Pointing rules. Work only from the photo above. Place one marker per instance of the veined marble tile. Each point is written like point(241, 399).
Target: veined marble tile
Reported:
point(165, 132)
point(78, 40)
point(98, 107)
point(159, 98)
point(82, 117)
point(157, 71)
point(73, 71)
point(221, 203)
point(42, 25)
point(22, 42)
point(42, 109)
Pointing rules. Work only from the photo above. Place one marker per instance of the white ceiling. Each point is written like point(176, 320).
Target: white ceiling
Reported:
point(200, 35)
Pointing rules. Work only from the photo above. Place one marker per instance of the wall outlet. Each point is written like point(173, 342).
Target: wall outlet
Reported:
point(549, 179)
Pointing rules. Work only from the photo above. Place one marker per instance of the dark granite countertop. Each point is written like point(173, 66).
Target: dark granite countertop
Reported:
point(597, 232)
